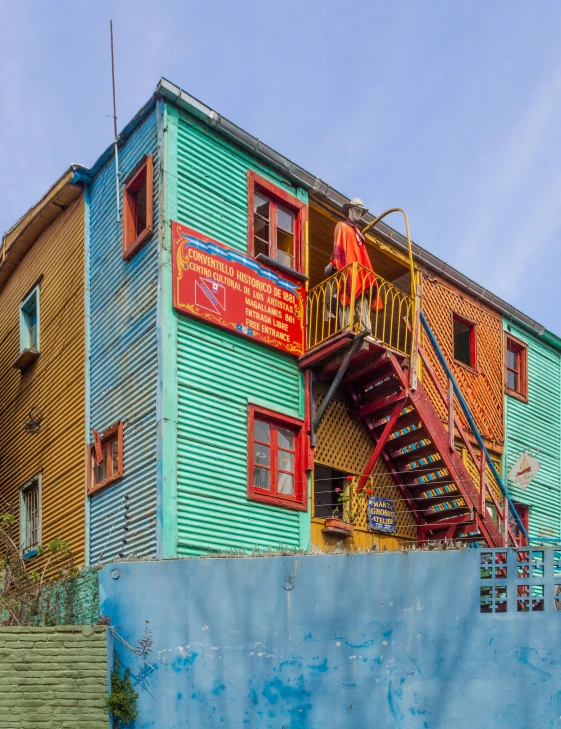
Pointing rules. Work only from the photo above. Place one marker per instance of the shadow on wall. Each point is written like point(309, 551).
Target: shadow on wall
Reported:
point(383, 639)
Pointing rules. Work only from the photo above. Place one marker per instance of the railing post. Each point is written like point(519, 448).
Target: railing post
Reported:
point(415, 334)
point(482, 465)
point(353, 272)
point(505, 520)
point(450, 415)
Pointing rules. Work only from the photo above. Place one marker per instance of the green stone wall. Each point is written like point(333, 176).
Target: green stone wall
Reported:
point(53, 678)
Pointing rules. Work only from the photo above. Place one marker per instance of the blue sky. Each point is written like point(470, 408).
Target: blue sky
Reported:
point(451, 110)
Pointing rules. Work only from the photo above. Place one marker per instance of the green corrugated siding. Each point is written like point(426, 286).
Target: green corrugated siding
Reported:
point(212, 184)
point(536, 426)
point(219, 373)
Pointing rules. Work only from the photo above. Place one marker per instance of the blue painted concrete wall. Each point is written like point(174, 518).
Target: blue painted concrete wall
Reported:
point(386, 640)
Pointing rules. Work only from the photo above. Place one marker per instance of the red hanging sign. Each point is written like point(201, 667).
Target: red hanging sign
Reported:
point(225, 287)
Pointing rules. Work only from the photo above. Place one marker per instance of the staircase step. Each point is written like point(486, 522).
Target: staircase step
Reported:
point(366, 370)
point(417, 447)
point(447, 507)
point(407, 410)
point(438, 492)
point(433, 476)
point(406, 430)
point(424, 462)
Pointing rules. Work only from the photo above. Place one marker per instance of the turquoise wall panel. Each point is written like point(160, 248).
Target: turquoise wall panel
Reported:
point(218, 373)
point(212, 184)
point(123, 357)
point(535, 426)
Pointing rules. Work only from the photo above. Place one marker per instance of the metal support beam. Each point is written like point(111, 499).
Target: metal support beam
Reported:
point(353, 349)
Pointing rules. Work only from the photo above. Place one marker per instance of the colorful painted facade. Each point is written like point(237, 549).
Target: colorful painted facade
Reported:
point(43, 372)
point(181, 413)
point(532, 377)
point(235, 397)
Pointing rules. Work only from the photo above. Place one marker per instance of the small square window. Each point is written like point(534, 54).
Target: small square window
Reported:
point(137, 208)
point(464, 341)
point(275, 458)
point(30, 515)
point(105, 458)
point(516, 368)
point(328, 484)
point(276, 225)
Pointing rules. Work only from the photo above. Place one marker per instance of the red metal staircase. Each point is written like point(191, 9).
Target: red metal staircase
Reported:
point(419, 450)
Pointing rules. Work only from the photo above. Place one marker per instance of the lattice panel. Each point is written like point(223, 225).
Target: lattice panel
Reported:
point(473, 469)
point(483, 389)
point(345, 444)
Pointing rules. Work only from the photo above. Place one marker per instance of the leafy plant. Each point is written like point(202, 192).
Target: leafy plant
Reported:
point(23, 596)
point(122, 701)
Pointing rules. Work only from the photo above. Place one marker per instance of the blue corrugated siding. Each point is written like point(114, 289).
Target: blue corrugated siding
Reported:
point(123, 359)
point(219, 373)
point(535, 426)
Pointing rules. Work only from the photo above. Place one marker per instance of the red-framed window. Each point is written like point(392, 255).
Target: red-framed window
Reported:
point(516, 368)
point(464, 334)
point(137, 207)
point(105, 458)
point(276, 459)
point(276, 224)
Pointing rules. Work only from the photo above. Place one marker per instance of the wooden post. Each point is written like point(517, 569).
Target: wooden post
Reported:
point(353, 272)
point(451, 415)
point(482, 482)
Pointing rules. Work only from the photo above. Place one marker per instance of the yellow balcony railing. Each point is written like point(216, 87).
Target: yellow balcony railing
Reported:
point(355, 299)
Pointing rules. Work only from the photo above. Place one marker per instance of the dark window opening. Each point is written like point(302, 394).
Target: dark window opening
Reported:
point(105, 458)
point(516, 366)
point(276, 223)
point(329, 483)
point(137, 208)
point(464, 341)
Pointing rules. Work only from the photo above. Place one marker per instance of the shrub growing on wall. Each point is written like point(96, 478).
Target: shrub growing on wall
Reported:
point(122, 700)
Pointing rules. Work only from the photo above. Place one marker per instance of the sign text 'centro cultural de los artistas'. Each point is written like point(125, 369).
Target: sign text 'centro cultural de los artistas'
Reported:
point(225, 287)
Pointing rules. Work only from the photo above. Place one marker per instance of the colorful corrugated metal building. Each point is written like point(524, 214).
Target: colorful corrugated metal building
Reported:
point(235, 396)
point(43, 373)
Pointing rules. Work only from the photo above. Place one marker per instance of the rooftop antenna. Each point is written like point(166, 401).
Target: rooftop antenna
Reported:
point(116, 134)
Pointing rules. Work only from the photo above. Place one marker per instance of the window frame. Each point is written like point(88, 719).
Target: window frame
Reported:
point(299, 501)
point(26, 550)
point(277, 195)
point(132, 244)
point(522, 349)
point(23, 326)
point(114, 433)
point(472, 341)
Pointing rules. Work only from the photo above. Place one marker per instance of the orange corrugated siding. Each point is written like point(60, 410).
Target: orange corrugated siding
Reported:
point(55, 384)
point(482, 389)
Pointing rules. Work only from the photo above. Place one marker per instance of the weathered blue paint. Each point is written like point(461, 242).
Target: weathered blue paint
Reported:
point(386, 640)
point(123, 362)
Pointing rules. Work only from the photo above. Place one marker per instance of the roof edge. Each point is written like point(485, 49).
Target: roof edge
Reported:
point(21, 237)
point(322, 190)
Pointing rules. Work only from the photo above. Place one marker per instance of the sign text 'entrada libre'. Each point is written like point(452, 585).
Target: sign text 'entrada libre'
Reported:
point(225, 287)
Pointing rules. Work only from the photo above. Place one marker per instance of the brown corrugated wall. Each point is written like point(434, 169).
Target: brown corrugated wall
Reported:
point(55, 384)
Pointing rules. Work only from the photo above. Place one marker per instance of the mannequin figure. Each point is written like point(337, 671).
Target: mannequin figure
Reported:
point(349, 247)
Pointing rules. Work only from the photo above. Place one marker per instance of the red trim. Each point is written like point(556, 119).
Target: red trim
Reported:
point(521, 348)
point(276, 195)
point(300, 498)
point(379, 446)
point(131, 241)
point(114, 433)
point(472, 341)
